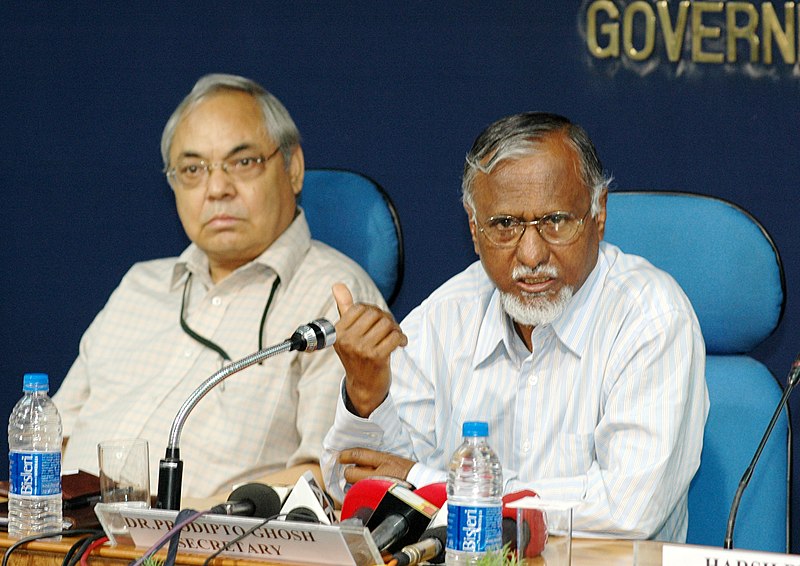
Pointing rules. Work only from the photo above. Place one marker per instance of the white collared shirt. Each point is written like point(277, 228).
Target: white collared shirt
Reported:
point(609, 407)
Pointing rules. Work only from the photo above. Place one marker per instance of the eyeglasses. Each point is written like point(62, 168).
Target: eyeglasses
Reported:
point(554, 228)
point(191, 172)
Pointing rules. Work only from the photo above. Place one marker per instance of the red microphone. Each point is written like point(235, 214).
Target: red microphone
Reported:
point(395, 515)
point(435, 493)
point(533, 530)
point(363, 497)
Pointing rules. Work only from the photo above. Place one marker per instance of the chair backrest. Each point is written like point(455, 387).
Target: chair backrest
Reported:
point(353, 214)
point(731, 271)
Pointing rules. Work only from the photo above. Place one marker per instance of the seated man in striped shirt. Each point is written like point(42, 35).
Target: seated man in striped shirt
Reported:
point(588, 363)
point(251, 275)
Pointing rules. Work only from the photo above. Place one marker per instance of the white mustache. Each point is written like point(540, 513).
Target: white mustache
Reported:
point(222, 210)
point(522, 271)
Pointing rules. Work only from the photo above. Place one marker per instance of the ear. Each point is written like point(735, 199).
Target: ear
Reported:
point(473, 228)
point(601, 215)
point(297, 170)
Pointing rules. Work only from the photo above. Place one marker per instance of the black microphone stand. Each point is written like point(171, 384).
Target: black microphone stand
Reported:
point(313, 336)
point(791, 381)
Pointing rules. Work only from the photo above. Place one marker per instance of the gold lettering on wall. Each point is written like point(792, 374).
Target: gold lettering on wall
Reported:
point(746, 32)
point(700, 32)
point(649, 19)
point(673, 35)
point(609, 30)
point(784, 37)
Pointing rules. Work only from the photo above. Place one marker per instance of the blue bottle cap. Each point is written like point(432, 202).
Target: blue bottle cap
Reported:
point(475, 428)
point(35, 382)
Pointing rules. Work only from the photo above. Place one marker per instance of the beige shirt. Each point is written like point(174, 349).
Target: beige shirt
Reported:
point(136, 365)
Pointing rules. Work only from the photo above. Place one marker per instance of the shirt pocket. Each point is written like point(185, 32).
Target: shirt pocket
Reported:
point(575, 454)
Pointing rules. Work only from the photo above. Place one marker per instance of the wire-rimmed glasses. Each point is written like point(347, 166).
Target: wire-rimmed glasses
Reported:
point(191, 172)
point(557, 227)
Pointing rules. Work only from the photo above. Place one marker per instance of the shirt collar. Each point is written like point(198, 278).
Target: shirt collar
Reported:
point(496, 331)
point(575, 324)
point(572, 328)
point(283, 256)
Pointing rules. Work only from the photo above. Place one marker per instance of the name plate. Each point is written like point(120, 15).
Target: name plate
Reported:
point(275, 541)
point(690, 555)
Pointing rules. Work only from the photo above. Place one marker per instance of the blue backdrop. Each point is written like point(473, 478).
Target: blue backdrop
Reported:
point(395, 90)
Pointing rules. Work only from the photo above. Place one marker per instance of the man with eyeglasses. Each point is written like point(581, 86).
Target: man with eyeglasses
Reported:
point(251, 275)
point(587, 363)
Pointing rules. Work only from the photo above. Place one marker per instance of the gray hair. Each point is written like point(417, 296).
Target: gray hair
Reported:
point(277, 121)
point(516, 136)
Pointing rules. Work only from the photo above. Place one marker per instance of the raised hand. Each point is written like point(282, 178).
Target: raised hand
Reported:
point(365, 338)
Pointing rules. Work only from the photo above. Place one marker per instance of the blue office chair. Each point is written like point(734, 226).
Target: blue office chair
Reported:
point(353, 214)
point(731, 271)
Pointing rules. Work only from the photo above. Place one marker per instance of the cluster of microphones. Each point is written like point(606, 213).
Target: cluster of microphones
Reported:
point(408, 526)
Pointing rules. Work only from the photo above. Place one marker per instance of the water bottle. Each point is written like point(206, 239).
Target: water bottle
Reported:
point(34, 459)
point(474, 498)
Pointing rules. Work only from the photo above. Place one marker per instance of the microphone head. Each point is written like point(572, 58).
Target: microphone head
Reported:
point(533, 531)
point(302, 515)
point(435, 493)
point(266, 502)
point(794, 373)
point(315, 335)
point(416, 514)
point(364, 496)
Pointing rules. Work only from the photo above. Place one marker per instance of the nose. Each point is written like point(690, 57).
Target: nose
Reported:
point(532, 250)
point(219, 184)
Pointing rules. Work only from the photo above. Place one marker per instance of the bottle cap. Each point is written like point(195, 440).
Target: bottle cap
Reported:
point(475, 428)
point(35, 382)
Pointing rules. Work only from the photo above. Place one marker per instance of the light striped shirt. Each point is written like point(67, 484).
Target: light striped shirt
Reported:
point(137, 366)
point(609, 407)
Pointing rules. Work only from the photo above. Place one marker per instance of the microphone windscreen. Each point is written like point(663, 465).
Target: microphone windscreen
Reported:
point(533, 530)
point(302, 515)
point(435, 493)
point(511, 512)
point(266, 502)
point(364, 495)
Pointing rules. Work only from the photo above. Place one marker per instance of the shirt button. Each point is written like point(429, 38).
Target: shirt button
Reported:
point(526, 446)
point(187, 353)
point(533, 380)
point(216, 301)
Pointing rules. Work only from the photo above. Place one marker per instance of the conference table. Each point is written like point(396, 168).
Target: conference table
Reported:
point(585, 552)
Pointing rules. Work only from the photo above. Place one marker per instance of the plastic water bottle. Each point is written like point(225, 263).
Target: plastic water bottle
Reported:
point(34, 443)
point(474, 498)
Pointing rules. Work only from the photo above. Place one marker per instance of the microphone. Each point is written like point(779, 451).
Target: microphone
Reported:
point(308, 502)
point(399, 519)
point(530, 537)
point(313, 336)
point(431, 545)
point(363, 496)
point(435, 493)
point(250, 500)
point(791, 380)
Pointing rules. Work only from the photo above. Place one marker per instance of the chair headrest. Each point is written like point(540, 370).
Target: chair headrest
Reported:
point(353, 214)
point(722, 257)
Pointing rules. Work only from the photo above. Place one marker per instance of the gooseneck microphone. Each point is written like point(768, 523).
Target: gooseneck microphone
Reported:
point(792, 380)
point(315, 335)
